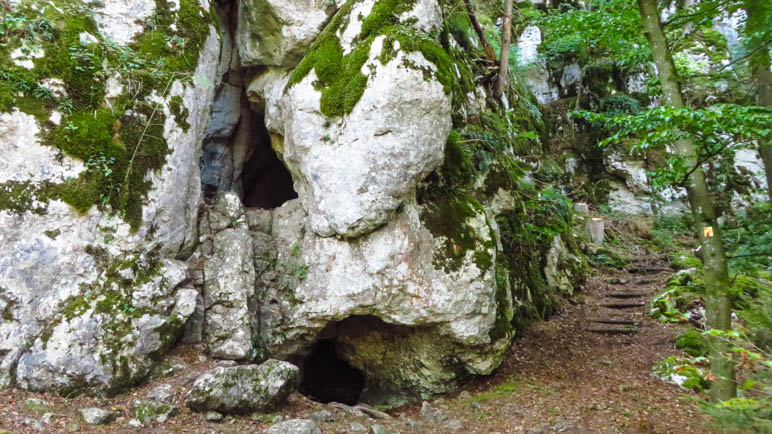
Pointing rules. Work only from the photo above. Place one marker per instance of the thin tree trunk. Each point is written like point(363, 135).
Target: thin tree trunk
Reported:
point(718, 303)
point(506, 40)
point(763, 79)
point(760, 62)
point(489, 53)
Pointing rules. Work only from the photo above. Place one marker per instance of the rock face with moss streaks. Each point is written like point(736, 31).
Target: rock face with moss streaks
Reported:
point(397, 273)
point(360, 145)
point(99, 188)
point(277, 32)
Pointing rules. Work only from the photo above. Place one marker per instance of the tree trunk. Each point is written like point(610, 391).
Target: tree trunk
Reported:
point(718, 303)
point(489, 53)
point(763, 79)
point(757, 20)
point(506, 40)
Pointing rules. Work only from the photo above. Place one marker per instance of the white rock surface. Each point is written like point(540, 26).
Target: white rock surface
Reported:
point(390, 274)
point(229, 281)
point(23, 158)
point(52, 256)
point(353, 172)
point(536, 74)
point(277, 32)
point(121, 20)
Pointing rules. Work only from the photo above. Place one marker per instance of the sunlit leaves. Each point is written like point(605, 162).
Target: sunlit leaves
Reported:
point(716, 130)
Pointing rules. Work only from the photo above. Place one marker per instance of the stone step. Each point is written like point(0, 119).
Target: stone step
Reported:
point(626, 305)
point(626, 294)
point(624, 330)
point(617, 321)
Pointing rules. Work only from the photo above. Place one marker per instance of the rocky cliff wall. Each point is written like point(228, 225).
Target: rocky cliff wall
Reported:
point(257, 177)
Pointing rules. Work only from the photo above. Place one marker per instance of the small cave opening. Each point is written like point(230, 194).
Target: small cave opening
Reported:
point(237, 154)
point(266, 182)
point(326, 377)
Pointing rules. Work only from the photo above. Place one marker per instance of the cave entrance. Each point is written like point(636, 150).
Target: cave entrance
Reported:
point(325, 377)
point(237, 154)
point(265, 180)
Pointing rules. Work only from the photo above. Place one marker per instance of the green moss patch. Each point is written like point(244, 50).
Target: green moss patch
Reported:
point(448, 218)
point(119, 144)
point(340, 78)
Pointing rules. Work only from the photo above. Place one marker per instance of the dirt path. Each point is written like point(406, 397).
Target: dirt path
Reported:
point(557, 377)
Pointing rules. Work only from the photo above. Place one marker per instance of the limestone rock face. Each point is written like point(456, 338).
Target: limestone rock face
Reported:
point(229, 279)
point(536, 74)
point(89, 298)
point(277, 32)
point(354, 171)
point(244, 389)
point(396, 273)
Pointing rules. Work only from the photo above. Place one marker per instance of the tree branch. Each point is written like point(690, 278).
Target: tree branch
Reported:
point(489, 53)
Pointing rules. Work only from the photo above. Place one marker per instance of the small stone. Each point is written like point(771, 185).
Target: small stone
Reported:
point(464, 395)
point(97, 416)
point(357, 427)
point(259, 220)
point(135, 423)
point(541, 429)
point(37, 405)
point(225, 364)
point(453, 425)
point(378, 429)
point(146, 411)
point(322, 416)
point(295, 426)
point(431, 414)
point(371, 412)
point(412, 424)
point(34, 424)
point(73, 427)
point(212, 416)
point(202, 358)
point(163, 393)
point(47, 418)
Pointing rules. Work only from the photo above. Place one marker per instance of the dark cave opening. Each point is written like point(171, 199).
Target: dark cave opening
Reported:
point(325, 377)
point(266, 181)
point(237, 154)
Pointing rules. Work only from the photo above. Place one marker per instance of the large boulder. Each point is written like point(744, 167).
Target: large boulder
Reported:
point(358, 140)
point(277, 32)
point(420, 283)
point(102, 197)
point(244, 389)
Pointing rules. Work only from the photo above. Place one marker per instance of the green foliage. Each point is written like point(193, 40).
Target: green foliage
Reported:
point(683, 291)
point(716, 131)
point(687, 373)
point(603, 29)
point(755, 309)
point(619, 104)
point(693, 343)
point(683, 261)
point(747, 414)
point(606, 258)
point(748, 238)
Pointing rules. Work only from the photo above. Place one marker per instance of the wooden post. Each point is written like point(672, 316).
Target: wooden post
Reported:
point(595, 229)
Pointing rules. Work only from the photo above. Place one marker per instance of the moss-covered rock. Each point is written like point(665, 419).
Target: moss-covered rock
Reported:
point(244, 389)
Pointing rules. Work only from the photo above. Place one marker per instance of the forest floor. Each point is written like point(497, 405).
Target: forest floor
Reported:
point(556, 377)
